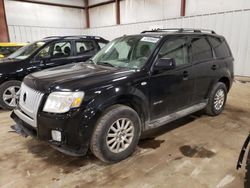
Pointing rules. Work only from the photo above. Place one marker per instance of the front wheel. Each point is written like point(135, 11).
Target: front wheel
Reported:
point(217, 99)
point(116, 134)
point(9, 93)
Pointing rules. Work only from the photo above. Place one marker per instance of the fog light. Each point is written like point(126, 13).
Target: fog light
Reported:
point(56, 135)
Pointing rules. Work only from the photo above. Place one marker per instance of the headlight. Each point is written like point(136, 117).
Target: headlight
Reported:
point(61, 102)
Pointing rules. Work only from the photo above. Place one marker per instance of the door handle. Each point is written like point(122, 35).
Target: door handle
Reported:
point(214, 67)
point(185, 75)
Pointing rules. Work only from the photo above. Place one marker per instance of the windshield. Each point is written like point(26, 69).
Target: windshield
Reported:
point(127, 52)
point(26, 51)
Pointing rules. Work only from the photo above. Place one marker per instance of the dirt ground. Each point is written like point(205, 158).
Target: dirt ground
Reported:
point(195, 152)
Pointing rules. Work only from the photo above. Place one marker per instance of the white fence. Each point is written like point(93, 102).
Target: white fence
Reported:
point(234, 25)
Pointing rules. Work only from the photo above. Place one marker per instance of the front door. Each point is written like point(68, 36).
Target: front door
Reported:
point(172, 90)
point(52, 55)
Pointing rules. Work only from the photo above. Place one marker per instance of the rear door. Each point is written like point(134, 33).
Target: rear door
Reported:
point(204, 66)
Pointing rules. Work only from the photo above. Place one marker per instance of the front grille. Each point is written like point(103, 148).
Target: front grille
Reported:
point(29, 102)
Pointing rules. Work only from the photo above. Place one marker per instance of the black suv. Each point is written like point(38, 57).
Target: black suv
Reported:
point(46, 53)
point(135, 83)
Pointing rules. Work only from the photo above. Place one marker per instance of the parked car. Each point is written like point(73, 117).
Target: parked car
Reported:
point(135, 83)
point(241, 157)
point(46, 53)
point(7, 48)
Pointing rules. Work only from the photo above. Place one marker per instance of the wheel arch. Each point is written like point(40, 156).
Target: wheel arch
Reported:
point(132, 101)
point(226, 81)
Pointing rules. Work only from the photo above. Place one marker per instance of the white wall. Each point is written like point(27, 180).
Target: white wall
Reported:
point(65, 2)
point(196, 7)
point(102, 15)
point(234, 25)
point(29, 21)
point(93, 2)
point(133, 11)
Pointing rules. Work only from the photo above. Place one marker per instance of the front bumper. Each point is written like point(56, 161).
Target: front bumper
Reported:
point(75, 129)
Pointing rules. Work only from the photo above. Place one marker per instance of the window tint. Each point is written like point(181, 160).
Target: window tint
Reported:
point(176, 49)
point(8, 50)
point(129, 51)
point(61, 49)
point(220, 47)
point(201, 49)
point(83, 47)
point(44, 53)
point(101, 44)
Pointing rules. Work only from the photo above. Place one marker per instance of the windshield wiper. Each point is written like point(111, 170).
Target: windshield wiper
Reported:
point(105, 64)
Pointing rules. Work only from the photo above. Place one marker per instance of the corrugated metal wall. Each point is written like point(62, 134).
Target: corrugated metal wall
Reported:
point(20, 33)
point(234, 25)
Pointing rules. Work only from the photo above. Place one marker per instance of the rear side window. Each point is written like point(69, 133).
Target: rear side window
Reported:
point(61, 49)
point(83, 47)
point(201, 49)
point(220, 47)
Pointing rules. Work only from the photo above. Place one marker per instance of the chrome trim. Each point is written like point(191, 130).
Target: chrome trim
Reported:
point(29, 103)
point(25, 118)
point(176, 115)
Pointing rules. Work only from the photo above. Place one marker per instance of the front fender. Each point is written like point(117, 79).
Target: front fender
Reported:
point(134, 96)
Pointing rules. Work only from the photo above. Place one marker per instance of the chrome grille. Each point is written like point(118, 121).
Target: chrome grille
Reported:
point(29, 103)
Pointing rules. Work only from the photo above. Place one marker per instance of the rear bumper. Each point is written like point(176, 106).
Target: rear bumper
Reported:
point(76, 132)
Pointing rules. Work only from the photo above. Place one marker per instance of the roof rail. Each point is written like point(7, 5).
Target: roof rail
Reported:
point(179, 30)
point(52, 37)
point(76, 36)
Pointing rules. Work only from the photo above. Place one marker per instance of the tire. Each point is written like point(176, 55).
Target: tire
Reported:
point(106, 124)
point(9, 89)
point(247, 177)
point(216, 99)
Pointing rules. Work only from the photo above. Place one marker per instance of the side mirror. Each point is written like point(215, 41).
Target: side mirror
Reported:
point(165, 64)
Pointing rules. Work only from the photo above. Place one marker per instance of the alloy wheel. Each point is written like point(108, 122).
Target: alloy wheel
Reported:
point(11, 95)
point(219, 99)
point(120, 135)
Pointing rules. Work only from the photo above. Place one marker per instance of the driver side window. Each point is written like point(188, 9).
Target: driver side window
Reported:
point(176, 49)
point(45, 52)
point(61, 49)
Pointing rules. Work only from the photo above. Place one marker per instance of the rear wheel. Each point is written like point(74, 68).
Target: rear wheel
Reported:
point(9, 93)
point(217, 99)
point(116, 134)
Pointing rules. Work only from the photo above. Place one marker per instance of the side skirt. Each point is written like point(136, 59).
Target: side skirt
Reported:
point(176, 115)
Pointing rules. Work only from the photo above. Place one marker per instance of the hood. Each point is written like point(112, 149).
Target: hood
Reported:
point(8, 66)
point(74, 77)
point(6, 60)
